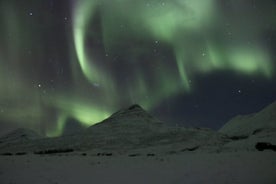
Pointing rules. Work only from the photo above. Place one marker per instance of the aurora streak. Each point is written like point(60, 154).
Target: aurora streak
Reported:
point(121, 52)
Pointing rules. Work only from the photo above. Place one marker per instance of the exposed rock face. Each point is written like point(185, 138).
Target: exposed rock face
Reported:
point(251, 124)
point(261, 146)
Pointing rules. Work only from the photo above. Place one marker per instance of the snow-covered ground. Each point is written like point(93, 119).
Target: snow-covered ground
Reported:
point(183, 168)
point(132, 147)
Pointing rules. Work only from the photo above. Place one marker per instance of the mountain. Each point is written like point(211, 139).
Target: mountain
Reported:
point(248, 131)
point(242, 126)
point(133, 127)
point(20, 135)
point(133, 120)
point(128, 129)
point(72, 126)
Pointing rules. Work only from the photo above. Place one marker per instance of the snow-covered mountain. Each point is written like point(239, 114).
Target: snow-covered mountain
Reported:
point(131, 146)
point(133, 127)
point(130, 123)
point(128, 129)
point(20, 135)
point(249, 130)
point(246, 125)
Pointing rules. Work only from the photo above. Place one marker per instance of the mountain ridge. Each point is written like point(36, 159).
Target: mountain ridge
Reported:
point(126, 129)
point(246, 125)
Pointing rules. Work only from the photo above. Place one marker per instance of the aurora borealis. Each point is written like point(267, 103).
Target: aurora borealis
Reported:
point(85, 59)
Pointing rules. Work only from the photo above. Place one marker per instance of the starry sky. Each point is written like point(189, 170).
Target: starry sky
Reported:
point(188, 62)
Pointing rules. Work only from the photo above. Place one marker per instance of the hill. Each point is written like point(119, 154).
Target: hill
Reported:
point(247, 125)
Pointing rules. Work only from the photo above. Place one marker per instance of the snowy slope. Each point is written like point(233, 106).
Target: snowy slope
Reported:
point(20, 135)
point(249, 143)
point(248, 124)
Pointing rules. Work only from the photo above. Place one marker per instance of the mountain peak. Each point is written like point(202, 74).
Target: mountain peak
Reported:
point(134, 106)
point(132, 117)
point(131, 111)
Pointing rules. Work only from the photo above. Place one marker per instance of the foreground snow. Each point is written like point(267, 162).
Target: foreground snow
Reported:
point(184, 168)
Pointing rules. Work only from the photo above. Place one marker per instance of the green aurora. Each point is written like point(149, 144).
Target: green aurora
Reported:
point(199, 37)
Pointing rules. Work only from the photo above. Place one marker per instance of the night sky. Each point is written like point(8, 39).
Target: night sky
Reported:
point(188, 62)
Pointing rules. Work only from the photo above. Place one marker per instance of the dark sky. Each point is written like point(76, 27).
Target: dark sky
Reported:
point(188, 62)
